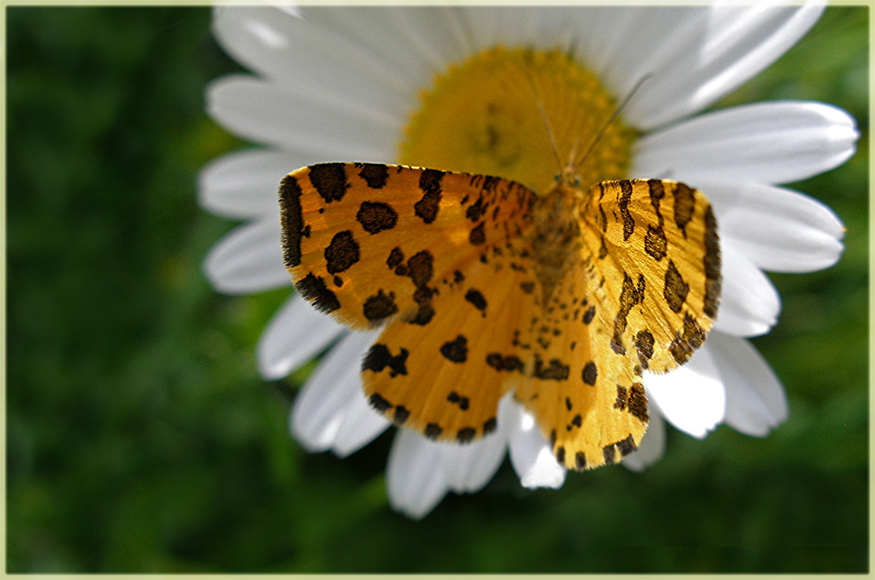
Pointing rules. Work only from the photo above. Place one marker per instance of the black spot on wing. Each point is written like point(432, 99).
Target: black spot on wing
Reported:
point(379, 306)
point(608, 451)
point(475, 210)
point(489, 426)
point(313, 288)
point(292, 220)
point(686, 340)
point(603, 249)
point(463, 402)
point(675, 290)
point(475, 297)
point(379, 403)
point(455, 350)
point(644, 343)
point(504, 363)
point(684, 205)
point(396, 257)
point(374, 174)
point(631, 295)
point(466, 435)
point(401, 415)
point(712, 265)
point(655, 243)
point(622, 397)
point(420, 268)
point(555, 370)
point(379, 357)
point(342, 252)
point(376, 217)
point(637, 402)
point(623, 202)
point(430, 184)
point(433, 431)
point(423, 314)
point(626, 446)
point(589, 315)
point(477, 235)
point(329, 179)
point(590, 373)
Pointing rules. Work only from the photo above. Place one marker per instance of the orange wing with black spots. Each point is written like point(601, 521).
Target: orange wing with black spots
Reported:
point(657, 244)
point(649, 269)
point(572, 390)
point(367, 242)
point(444, 377)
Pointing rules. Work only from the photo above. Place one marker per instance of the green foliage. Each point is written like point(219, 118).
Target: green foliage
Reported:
point(141, 439)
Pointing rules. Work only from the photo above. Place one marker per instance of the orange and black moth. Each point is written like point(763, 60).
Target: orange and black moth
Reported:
point(484, 287)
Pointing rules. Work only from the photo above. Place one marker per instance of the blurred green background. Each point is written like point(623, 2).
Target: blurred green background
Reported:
point(141, 439)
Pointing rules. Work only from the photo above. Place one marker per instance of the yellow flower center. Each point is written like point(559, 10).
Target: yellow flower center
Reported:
point(494, 114)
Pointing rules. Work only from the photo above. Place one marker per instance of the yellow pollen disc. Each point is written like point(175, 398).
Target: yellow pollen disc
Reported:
point(484, 116)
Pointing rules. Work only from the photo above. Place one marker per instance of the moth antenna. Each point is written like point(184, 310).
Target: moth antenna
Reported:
point(544, 118)
point(613, 116)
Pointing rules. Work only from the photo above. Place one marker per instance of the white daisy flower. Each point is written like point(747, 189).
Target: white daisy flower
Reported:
point(347, 84)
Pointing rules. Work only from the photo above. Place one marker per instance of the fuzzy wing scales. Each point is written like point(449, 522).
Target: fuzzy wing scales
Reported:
point(368, 242)
point(657, 246)
point(643, 296)
point(444, 377)
point(589, 406)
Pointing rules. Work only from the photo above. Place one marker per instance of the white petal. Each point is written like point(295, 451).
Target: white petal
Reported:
point(336, 49)
point(329, 407)
point(295, 334)
point(421, 471)
point(695, 60)
point(537, 27)
point(427, 38)
point(244, 184)
point(530, 454)
point(414, 477)
point(248, 259)
point(469, 467)
point(361, 424)
point(690, 397)
point(778, 229)
point(652, 446)
point(315, 126)
point(600, 36)
point(749, 303)
point(775, 142)
point(624, 44)
point(409, 43)
point(755, 400)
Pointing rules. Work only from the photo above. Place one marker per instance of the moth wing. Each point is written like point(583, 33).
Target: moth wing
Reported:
point(644, 296)
point(657, 240)
point(367, 242)
point(574, 383)
point(443, 376)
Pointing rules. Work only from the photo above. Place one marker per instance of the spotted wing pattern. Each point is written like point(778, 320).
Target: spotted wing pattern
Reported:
point(444, 377)
point(368, 242)
point(655, 244)
point(648, 282)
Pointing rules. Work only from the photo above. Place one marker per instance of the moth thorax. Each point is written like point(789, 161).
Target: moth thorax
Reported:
point(556, 235)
